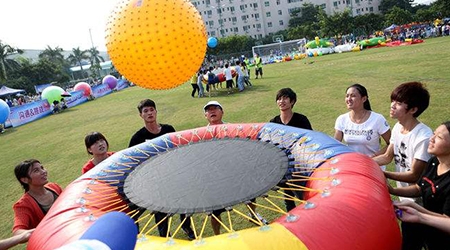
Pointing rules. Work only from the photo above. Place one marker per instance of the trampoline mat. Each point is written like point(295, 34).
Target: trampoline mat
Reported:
point(206, 176)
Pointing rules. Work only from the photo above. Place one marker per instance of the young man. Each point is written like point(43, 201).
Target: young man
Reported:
point(151, 130)
point(286, 99)
point(228, 78)
point(408, 146)
point(240, 76)
point(409, 139)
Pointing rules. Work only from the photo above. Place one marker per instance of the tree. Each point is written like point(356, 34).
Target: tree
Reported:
point(398, 16)
point(95, 59)
point(387, 5)
point(340, 23)
point(425, 15)
point(306, 15)
point(442, 7)
point(77, 57)
point(7, 64)
point(53, 55)
point(369, 23)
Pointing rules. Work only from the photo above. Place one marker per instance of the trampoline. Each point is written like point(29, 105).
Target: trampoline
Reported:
point(345, 202)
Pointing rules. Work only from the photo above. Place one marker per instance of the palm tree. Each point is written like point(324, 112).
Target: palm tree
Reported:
point(95, 59)
point(77, 56)
point(7, 64)
point(53, 55)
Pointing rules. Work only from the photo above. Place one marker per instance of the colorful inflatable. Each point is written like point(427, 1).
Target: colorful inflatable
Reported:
point(376, 41)
point(345, 202)
point(318, 43)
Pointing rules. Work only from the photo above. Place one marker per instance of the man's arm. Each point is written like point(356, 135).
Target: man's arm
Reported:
point(417, 168)
point(385, 158)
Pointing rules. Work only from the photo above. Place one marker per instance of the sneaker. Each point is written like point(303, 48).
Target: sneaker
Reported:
point(189, 233)
point(264, 221)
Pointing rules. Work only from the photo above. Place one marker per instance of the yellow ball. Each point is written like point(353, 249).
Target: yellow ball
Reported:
point(156, 44)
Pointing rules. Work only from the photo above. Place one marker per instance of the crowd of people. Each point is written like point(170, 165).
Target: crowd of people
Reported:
point(214, 75)
point(421, 162)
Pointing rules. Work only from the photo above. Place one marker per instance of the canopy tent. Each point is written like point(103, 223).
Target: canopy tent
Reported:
point(391, 28)
point(4, 91)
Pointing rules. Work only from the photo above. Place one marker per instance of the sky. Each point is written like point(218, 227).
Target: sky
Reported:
point(34, 24)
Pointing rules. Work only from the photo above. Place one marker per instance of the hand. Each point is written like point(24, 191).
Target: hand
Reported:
point(409, 214)
point(25, 235)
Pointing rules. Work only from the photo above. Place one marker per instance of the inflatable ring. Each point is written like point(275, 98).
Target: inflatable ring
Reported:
point(346, 203)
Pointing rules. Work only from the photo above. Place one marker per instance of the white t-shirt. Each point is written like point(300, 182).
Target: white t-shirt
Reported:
point(364, 137)
point(228, 75)
point(407, 147)
point(239, 70)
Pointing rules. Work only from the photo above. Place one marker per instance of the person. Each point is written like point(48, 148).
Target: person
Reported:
point(39, 196)
point(55, 107)
point(15, 239)
point(63, 104)
point(258, 66)
point(361, 128)
point(240, 76)
point(246, 71)
point(286, 99)
point(211, 80)
point(410, 137)
point(152, 129)
point(228, 78)
point(213, 112)
point(195, 87)
point(247, 63)
point(200, 83)
point(97, 146)
point(413, 213)
point(434, 188)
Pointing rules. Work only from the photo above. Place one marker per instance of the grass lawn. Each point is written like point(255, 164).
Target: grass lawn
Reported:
point(320, 83)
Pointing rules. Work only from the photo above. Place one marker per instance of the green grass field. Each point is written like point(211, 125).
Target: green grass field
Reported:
point(320, 83)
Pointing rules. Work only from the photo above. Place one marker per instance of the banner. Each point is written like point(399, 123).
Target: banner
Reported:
point(121, 84)
point(40, 88)
point(29, 112)
point(101, 90)
point(75, 99)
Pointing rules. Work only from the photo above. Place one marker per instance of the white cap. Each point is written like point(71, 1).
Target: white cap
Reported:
point(212, 103)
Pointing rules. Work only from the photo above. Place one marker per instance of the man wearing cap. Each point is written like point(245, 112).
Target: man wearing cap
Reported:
point(213, 113)
point(151, 130)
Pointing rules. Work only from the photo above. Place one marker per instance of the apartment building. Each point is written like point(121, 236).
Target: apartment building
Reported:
point(260, 18)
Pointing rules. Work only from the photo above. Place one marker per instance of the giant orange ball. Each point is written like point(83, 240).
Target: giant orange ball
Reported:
point(156, 44)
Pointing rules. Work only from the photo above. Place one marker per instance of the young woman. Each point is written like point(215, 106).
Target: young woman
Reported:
point(434, 188)
point(97, 146)
point(39, 195)
point(361, 128)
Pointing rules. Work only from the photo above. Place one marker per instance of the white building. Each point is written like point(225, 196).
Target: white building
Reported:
point(260, 18)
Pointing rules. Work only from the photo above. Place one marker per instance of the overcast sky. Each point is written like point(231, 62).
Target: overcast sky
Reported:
point(34, 24)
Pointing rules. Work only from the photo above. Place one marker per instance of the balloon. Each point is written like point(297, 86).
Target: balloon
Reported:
point(110, 80)
point(4, 111)
point(83, 86)
point(156, 44)
point(212, 42)
point(52, 93)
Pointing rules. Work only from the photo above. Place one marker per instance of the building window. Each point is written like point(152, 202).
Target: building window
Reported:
point(266, 4)
point(268, 14)
point(255, 5)
point(278, 2)
point(280, 12)
point(335, 4)
point(371, 9)
point(257, 16)
point(269, 24)
point(281, 22)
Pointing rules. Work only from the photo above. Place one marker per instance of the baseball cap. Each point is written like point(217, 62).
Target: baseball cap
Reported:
point(212, 103)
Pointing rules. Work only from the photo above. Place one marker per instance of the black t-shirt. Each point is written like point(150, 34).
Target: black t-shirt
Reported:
point(297, 120)
point(143, 134)
point(436, 197)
